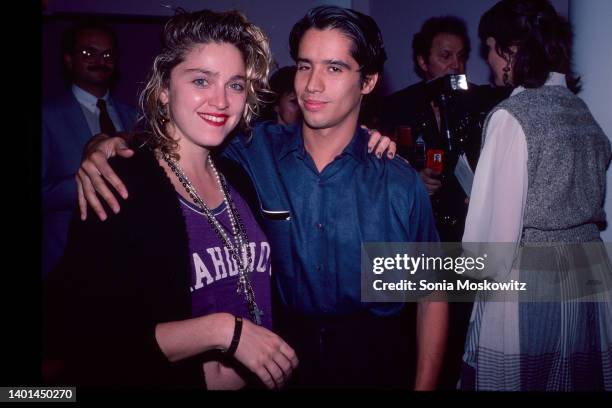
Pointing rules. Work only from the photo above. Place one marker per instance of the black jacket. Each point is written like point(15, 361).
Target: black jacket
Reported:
point(118, 279)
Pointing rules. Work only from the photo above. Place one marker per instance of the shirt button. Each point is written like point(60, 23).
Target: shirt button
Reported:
point(319, 226)
point(318, 267)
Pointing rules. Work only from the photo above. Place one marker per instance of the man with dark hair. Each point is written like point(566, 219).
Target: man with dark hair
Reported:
point(440, 48)
point(89, 52)
point(342, 341)
point(73, 41)
point(321, 197)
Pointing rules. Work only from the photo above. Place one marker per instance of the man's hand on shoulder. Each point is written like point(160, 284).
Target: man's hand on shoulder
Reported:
point(95, 173)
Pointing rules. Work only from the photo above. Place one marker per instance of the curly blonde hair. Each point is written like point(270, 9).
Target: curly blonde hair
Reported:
point(181, 34)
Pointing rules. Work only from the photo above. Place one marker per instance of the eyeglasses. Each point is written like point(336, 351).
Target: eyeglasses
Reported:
point(91, 54)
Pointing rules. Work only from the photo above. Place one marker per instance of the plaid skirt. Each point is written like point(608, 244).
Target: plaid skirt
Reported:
point(561, 341)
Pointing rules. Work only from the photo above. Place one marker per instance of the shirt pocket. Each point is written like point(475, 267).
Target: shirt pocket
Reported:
point(277, 227)
point(276, 215)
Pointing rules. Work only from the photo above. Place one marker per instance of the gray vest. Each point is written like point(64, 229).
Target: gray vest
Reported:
point(567, 157)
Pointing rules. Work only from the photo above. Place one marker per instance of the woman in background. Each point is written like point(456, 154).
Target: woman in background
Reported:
point(540, 183)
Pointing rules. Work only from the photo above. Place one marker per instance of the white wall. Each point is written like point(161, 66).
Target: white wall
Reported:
point(592, 25)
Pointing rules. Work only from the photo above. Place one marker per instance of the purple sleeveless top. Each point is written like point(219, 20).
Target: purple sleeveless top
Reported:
point(214, 274)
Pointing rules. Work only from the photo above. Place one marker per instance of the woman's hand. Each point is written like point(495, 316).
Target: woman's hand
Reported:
point(378, 144)
point(259, 350)
point(221, 377)
point(265, 354)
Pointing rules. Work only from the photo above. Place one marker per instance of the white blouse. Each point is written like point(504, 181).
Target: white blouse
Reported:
point(499, 192)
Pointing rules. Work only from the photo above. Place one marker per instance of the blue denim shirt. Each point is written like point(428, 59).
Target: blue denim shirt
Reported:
point(316, 222)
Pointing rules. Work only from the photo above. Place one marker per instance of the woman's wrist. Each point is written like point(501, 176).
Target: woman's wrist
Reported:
point(224, 327)
point(229, 352)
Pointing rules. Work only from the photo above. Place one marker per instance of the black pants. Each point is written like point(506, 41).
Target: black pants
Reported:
point(358, 351)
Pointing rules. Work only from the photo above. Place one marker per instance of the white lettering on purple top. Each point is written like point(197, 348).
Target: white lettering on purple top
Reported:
point(214, 274)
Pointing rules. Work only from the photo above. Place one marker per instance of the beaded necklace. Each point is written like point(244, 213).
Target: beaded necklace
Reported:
point(236, 242)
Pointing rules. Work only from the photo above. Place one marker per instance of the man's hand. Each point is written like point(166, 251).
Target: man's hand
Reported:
point(95, 172)
point(431, 182)
point(379, 143)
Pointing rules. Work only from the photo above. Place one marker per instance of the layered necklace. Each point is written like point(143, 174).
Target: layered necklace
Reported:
point(236, 241)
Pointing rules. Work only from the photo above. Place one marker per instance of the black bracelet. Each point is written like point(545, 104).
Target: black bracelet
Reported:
point(235, 338)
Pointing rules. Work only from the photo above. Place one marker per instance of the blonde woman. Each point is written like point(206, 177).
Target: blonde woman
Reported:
point(175, 291)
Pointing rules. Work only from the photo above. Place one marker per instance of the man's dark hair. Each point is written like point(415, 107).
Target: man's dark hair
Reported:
point(422, 41)
point(281, 82)
point(543, 38)
point(367, 43)
point(69, 37)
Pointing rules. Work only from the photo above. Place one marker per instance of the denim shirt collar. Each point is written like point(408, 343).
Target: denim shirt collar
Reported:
point(294, 141)
point(357, 147)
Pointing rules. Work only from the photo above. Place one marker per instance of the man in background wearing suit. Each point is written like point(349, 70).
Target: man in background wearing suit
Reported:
point(86, 108)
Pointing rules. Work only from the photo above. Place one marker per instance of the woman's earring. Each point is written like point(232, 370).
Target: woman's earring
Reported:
point(165, 114)
point(506, 76)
